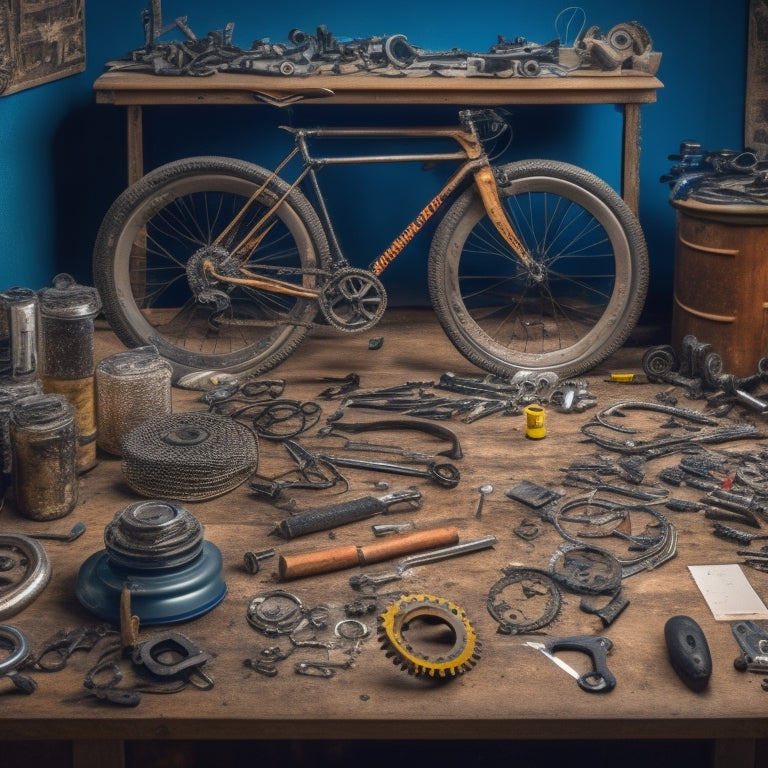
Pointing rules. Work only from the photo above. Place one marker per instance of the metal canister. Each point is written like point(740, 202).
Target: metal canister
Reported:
point(18, 335)
point(131, 387)
point(67, 312)
point(44, 444)
point(8, 396)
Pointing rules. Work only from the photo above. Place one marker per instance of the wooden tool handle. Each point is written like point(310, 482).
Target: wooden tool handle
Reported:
point(338, 558)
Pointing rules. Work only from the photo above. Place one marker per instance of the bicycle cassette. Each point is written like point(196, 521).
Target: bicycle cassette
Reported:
point(428, 636)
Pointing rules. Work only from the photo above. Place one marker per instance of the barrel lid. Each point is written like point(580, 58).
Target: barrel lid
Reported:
point(66, 298)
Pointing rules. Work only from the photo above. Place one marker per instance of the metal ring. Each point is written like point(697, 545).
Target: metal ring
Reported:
point(351, 629)
point(17, 596)
point(19, 647)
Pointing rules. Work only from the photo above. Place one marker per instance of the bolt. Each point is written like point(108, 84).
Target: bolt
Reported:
point(252, 560)
point(484, 491)
point(386, 528)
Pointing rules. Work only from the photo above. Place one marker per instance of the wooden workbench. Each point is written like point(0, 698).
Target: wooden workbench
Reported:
point(628, 89)
point(513, 693)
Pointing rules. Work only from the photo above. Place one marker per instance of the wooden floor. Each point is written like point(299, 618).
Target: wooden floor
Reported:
point(514, 703)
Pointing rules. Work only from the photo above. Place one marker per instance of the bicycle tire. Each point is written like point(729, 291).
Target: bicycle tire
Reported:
point(143, 265)
point(582, 304)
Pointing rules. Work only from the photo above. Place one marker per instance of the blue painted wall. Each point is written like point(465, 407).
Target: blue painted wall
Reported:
point(63, 156)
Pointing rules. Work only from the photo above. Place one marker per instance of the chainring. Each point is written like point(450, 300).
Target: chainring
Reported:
point(412, 653)
point(353, 300)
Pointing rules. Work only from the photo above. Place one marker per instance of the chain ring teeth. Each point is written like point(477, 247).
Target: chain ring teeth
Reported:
point(461, 658)
point(353, 300)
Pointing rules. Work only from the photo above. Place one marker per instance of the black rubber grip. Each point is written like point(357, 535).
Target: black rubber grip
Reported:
point(323, 518)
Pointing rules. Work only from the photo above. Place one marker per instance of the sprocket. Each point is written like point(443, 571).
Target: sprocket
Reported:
point(395, 623)
point(353, 300)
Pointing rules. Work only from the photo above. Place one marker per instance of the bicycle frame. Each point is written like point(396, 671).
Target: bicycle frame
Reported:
point(471, 156)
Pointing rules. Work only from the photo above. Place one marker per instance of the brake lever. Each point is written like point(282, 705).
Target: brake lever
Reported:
point(599, 679)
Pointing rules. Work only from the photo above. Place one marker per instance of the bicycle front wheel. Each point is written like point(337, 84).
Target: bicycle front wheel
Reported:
point(153, 242)
point(579, 300)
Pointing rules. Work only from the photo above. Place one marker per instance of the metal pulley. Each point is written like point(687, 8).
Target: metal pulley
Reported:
point(155, 549)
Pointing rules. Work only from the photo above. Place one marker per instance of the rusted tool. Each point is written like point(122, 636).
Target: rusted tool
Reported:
point(323, 518)
point(337, 558)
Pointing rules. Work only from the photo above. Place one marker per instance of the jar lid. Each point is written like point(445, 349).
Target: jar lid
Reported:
point(42, 411)
point(65, 298)
point(133, 362)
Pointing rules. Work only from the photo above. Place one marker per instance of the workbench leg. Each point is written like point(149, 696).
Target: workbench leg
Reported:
point(135, 141)
point(630, 158)
point(98, 753)
point(734, 753)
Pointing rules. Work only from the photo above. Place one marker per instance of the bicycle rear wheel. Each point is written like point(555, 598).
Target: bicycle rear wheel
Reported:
point(148, 266)
point(579, 302)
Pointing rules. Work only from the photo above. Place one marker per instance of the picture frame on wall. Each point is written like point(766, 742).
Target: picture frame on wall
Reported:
point(756, 110)
point(40, 41)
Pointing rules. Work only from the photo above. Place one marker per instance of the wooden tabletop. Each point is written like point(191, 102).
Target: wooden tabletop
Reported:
point(134, 88)
point(511, 692)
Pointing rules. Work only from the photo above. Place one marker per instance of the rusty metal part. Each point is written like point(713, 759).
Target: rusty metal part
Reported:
point(30, 559)
point(430, 428)
point(397, 633)
point(524, 600)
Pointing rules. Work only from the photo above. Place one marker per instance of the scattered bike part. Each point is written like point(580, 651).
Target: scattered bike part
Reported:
point(334, 515)
point(26, 572)
point(524, 600)
point(156, 550)
point(294, 566)
point(15, 643)
point(169, 655)
point(252, 560)
point(398, 629)
point(424, 558)
point(599, 679)
point(688, 652)
point(77, 530)
point(429, 428)
point(444, 474)
point(276, 612)
point(484, 490)
point(753, 641)
point(384, 529)
point(188, 456)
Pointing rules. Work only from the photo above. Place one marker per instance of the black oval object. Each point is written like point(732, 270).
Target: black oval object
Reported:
point(688, 651)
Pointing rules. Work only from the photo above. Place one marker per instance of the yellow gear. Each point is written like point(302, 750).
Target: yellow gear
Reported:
point(461, 657)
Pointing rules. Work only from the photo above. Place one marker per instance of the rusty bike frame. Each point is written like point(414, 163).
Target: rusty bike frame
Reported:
point(473, 161)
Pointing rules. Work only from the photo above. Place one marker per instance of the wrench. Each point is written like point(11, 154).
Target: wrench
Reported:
point(443, 474)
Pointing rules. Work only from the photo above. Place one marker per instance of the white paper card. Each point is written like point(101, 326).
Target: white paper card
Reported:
point(728, 593)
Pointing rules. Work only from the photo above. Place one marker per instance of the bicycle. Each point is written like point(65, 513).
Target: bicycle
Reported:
point(224, 266)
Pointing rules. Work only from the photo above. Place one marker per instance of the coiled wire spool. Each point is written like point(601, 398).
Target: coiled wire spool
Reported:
point(131, 387)
point(188, 456)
